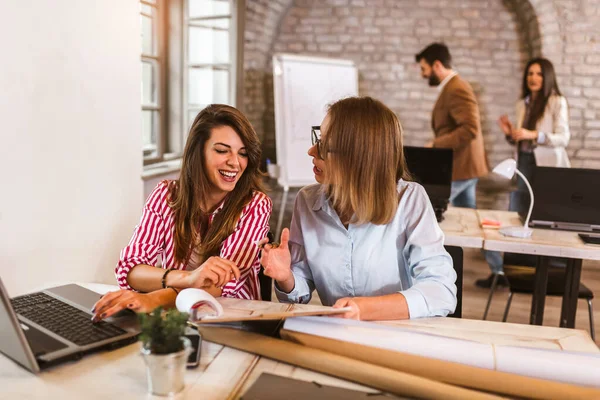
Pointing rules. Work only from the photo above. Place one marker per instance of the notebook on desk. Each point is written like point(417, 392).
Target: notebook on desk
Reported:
point(273, 387)
point(432, 168)
point(41, 329)
point(565, 199)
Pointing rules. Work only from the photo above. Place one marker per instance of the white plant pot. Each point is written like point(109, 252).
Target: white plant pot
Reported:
point(166, 372)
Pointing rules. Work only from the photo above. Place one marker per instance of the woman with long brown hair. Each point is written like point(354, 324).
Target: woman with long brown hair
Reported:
point(364, 237)
point(204, 226)
point(542, 128)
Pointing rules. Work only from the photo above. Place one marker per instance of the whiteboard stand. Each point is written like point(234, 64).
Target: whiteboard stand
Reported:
point(304, 87)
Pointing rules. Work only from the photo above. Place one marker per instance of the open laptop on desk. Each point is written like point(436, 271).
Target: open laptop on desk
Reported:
point(432, 168)
point(41, 329)
point(566, 199)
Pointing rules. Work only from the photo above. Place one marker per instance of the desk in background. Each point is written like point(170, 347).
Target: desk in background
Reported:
point(461, 227)
point(544, 243)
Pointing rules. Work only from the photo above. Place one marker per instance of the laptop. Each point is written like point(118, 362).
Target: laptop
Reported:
point(432, 168)
point(45, 328)
point(565, 199)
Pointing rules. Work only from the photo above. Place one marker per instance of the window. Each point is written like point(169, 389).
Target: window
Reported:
point(191, 50)
point(152, 59)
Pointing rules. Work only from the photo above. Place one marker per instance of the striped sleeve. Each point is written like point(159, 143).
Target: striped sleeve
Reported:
point(148, 237)
point(240, 247)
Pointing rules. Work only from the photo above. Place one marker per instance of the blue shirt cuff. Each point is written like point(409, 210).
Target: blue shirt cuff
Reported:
point(541, 137)
point(417, 306)
point(295, 296)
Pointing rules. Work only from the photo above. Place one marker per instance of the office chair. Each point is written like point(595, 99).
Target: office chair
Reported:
point(521, 278)
point(457, 260)
point(508, 259)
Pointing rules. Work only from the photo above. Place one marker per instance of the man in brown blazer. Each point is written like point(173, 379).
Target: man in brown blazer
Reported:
point(455, 123)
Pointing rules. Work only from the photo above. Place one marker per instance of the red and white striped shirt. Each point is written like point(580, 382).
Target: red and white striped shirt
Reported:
point(153, 236)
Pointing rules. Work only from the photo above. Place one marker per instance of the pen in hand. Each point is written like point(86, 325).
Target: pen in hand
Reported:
point(270, 241)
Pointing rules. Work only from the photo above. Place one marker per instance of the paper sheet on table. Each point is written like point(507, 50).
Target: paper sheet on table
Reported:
point(569, 367)
point(205, 309)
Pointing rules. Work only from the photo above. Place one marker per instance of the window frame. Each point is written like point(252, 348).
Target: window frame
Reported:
point(173, 68)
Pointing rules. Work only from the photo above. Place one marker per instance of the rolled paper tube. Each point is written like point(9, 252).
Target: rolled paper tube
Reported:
point(385, 379)
point(449, 372)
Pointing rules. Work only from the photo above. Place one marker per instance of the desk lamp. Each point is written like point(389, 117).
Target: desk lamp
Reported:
point(507, 169)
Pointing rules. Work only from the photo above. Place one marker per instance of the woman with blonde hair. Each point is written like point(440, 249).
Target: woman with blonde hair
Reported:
point(204, 225)
point(364, 237)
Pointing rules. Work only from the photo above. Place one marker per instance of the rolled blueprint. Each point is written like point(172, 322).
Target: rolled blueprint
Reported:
point(444, 371)
point(374, 376)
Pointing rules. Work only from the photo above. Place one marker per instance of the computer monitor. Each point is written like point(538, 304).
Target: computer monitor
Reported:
point(432, 168)
point(566, 198)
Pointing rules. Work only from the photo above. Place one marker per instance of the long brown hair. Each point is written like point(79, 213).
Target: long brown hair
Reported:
point(365, 159)
point(192, 231)
point(549, 88)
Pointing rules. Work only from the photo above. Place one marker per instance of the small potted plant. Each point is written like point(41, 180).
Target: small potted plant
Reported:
point(165, 350)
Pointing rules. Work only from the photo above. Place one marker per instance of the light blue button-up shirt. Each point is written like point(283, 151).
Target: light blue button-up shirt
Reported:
point(404, 256)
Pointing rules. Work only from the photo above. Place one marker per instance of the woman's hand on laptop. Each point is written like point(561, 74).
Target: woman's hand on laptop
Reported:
point(113, 302)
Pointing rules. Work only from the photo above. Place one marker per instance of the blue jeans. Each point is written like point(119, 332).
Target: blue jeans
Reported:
point(463, 194)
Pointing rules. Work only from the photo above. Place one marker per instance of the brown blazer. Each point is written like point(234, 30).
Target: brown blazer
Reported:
point(455, 122)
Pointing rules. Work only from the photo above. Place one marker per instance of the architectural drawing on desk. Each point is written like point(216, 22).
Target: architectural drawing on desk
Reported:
point(304, 87)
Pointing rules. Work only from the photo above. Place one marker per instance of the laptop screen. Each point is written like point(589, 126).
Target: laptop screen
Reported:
point(432, 168)
point(568, 195)
point(13, 342)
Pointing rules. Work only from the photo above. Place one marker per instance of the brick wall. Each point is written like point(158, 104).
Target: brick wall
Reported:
point(490, 40)
point(262, 24)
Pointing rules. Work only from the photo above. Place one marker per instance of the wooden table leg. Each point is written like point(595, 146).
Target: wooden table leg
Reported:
point(569, 303)
point(540, 284)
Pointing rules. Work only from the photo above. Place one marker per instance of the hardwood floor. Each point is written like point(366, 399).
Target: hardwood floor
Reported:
point(474, 298)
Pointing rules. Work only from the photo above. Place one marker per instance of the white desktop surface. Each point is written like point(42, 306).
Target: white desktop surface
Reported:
point(461, 227)
point(545, 242)
point(226, 373)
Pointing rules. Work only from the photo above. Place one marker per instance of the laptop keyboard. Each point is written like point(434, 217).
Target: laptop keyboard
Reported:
point(63, 319)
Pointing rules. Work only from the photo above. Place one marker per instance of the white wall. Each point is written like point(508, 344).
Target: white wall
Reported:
point(70, 141)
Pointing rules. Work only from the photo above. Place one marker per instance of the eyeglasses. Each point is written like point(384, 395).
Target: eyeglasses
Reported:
point(316, 140)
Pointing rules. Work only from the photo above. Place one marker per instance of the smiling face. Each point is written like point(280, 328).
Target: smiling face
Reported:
point(319, 168)
point(535, 78)
point(225, 159)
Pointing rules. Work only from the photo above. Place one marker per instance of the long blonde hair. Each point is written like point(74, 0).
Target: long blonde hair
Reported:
point(192, 230)
point(364, 158)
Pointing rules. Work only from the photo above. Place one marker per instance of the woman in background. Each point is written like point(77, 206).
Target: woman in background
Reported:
point(364, 236)
point(542, 121)
point(204, 225)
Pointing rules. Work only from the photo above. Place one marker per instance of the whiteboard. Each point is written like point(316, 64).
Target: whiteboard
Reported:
point(304, 87)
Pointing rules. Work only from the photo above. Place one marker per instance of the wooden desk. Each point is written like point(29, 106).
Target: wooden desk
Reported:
point(226, 373)
point(547, 242)
point(544, 243)
point(461, 228)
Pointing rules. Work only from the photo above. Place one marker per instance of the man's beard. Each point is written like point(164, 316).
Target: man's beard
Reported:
point(434, 80)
